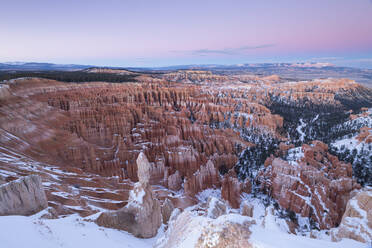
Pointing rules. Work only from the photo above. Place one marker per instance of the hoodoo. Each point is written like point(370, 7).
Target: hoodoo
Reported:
point(142, 215)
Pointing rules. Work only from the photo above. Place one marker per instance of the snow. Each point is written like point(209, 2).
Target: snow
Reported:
point(299, 130)
point(315, 118)
point(72, 231)
point(349, 143)
point(273, 232)
point(203, 195)
point(262, 238)
point(189, 234)
point(359, 222)
point(212, 206)
point(295, 154)
point(324, 207)
point(279, 236)
point(75, 231)
point(245, 115)
point(136, 197)
point(232, 217)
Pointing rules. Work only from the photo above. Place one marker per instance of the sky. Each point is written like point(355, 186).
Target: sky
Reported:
point(173, 32)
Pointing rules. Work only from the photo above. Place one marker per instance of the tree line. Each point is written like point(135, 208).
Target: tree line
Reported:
point(70, 76)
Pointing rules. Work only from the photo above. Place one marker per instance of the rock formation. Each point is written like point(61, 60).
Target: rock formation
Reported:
point(166, 210)
point(84, 139)
point(24, 196)
point(246, 209)
point(206, 177)
point(175, 181)
point(317, 186)
point(142, 215)
point(232, 188)
point(356, 222)
point(102, 127)
point(226, 234)
point(216, 207)
point(189, 230)
point(2, 180)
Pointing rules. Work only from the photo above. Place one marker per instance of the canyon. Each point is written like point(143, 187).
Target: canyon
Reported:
point(84, 141)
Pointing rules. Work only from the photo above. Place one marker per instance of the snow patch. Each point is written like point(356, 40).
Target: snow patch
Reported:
point(69, 232)
point(299, 130)
point(203, 195)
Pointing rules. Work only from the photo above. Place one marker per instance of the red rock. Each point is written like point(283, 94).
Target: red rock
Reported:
point(232, 188)
point(175, 181)
point(317, 186)
point(283, 148)
point(142, 216)
point(206, 177)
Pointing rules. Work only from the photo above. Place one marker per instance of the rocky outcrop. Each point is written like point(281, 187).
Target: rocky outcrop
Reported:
point(166, 210)
point(142, 215)
point(96, 130)
point(232, 188)
point(4, 92)
point(365, 135)
point(143, 169)
point(356, 222)
point(101, 127)
point(283, 148)
point(317, 186)
point(190, 230)
point(246, 209)
point(2, 180)
point(216, 207)
point(175, 181)
point(179, 227)
point(206, 177)
point(24, 196)
point(226, 234)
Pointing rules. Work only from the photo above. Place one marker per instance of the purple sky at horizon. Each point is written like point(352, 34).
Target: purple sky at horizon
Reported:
point(165, 32)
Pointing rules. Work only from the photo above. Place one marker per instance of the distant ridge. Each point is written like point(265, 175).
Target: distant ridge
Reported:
point(298, 71)
point(34, 66)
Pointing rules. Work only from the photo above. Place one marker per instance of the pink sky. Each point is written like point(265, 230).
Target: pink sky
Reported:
point(165, 32)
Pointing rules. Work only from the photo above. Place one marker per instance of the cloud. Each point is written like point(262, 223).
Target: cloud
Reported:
point(226, 51)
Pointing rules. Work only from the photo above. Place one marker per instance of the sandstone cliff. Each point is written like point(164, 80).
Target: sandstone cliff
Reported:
point(24, 196)
point(316, 186)
point(356, 222)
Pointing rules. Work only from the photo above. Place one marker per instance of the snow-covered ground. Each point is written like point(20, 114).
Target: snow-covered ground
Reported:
point(300, 131)
point(265, 238)
point(74, 231)
point(349, 143)
point(269, 232)
point(295, 154)
point(71, 231)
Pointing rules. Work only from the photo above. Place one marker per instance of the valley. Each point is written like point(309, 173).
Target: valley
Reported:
point(286, 145)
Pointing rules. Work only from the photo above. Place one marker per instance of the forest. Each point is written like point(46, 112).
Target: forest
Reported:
point(70, 76)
